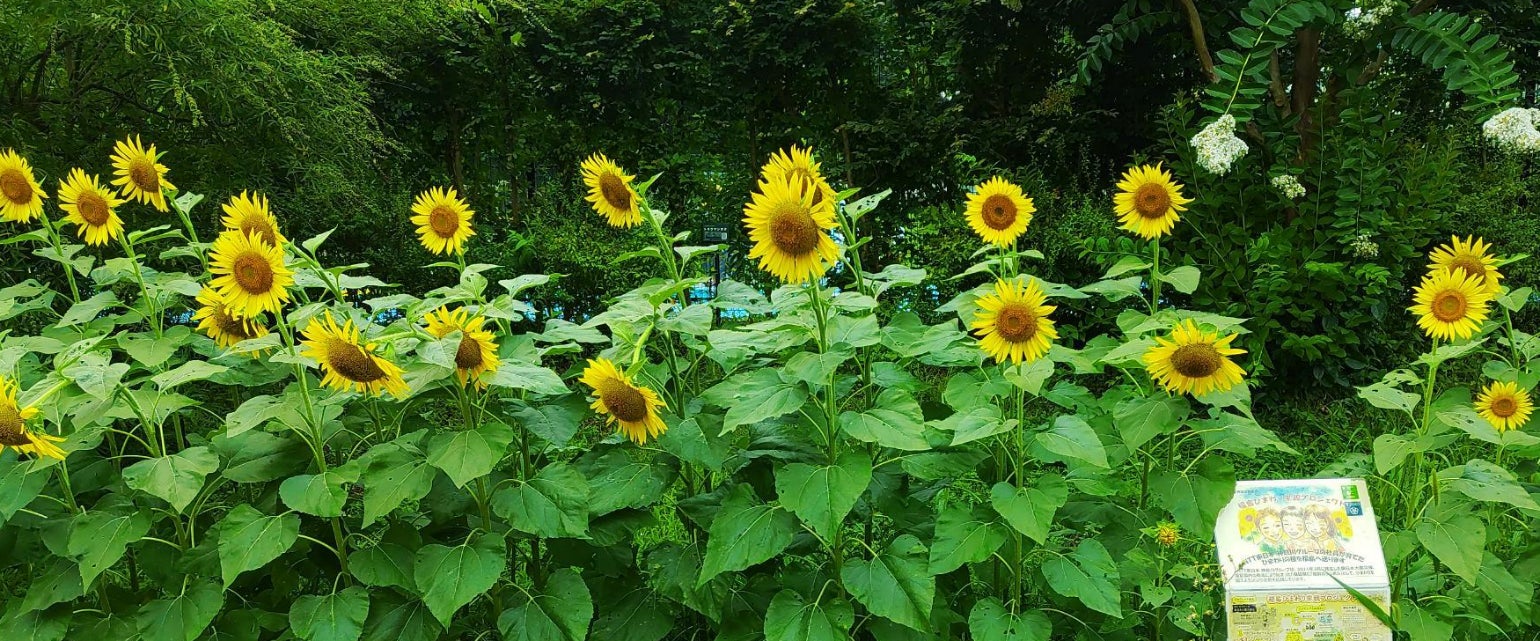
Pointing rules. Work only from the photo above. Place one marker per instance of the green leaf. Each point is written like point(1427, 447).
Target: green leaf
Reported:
point(394, 474)
point(1387, 397)
point(451, 577)
point(1071, 438)
point(791, 618)
point(18, 484)
point(318, 494)
point(744, 533)
point(176, 478)
point(552, 504)
point(1030, 376)
point(97, 539)
point(186, 373)
point(59, 582)
point(1116, 289)
point(990, 621)
point(96, 375)
point(1421, 624)
point(253, 413)
point(1507, 591)
point(1089, 575)
point(895, 421)
point(1183, 279)
point(622, 478)
point(1449, 533)
point(335, 617)
point(766, 398)
point(183, 617)
point(1195, 498)
point(1391, 449)
point(974, 423)
point(469, 454)
point(394, 619)
point(560, 612)
point(641, 615)
point(249, 540)
point(821, 495)
point(384, 565)
point(260, 457)
point(540, 380)
point(1143, 418)
point(896, 584)
point(1030, 510)
point(1484, 481)
point(964, 536)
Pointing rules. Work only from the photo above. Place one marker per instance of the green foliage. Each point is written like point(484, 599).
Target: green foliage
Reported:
point(1471, 63)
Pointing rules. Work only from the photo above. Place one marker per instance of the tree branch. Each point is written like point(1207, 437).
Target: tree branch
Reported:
point(1199, 40)
point(1274, 70)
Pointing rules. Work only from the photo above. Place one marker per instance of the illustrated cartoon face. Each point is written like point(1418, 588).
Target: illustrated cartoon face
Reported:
point(1316, 527)
point(1293, 525)
point(1271, 529)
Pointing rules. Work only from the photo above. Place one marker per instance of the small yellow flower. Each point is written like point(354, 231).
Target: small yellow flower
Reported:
point(477, 353)
point(1167, 534)
point(443, 220)
point(1148, 201)
point(1193, 361)
point(1505, 405)
point(92, 207)
point(790, 233)
point(998, 212)
point(249, 214)
point(139, 173)
point(21, 198)
point(347, 363)
point(633, 406)
point(1470, 256)
point(13, 426)
point(609, 189)
point(1450, 304)
point(1013, 324)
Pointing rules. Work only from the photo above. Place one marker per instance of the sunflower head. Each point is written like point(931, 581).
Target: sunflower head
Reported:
point(1505, 405)
point(477, 353)
point(1148, 200)
point(1012, 323)
point(249, 274)
point(1167, 534)
point(1450, 304)
point(217, 321)
point(998, 212)
point(1472, 257)
point(21, 199)
point(797, 165)
point(140, 176)
point(13, 426)
point(789, 232)
point(249, 214)
point(347, 363)
point(632, 406)
point(443, 220)
point(1194, 361)
point(92, 207)
point(609, 189)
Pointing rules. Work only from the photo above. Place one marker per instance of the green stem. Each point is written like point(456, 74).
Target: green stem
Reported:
point(151, 308)
point(1155, 276)
point(58, 246)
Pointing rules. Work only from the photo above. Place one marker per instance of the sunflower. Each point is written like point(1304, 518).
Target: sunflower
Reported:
point(789, 232)
point(1450, 304)
point(1148, 201)
point(1013, 322)
point(91, 205)
point(347, 363)
point(21, 199)
point(140, 175)
point(249, 214)
point(215, 319)
point(13, 426)
point(477, 353)
point(1192, 361)
point(798, 165)
point(1505, 405)
point(1471, 257)
point(609, 189)
point(998, 212)
point(249, 274)
point(633, 406)
point(443, 220)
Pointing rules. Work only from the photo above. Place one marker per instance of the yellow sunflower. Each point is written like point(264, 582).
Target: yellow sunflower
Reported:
point(443, 220)
point(798, 165)
point(477, 354)
point(633, 406)
point(347, 363)
point(216, 320)
point(249, 274)
point(1148, 201)
point(1450, 304)
point(998, 212)
point(13, 426)
point(92, 206)
point(1505, 405)
point(789, 232)
point(1192, 361)
point(21, 198)
point(140, 175)
point(249, 214)
point(1013, 324)
point(1470, 256)
point(609, 189)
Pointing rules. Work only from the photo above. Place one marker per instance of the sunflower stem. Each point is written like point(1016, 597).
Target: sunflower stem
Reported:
point(152, 310)
point(1155, 276)
point(58, 246)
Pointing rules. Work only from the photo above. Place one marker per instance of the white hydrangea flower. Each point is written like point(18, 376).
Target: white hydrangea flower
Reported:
point(1217, 145)
point(1514, 130)
point(1289, 186)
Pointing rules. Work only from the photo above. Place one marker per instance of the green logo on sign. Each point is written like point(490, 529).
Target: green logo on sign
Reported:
point(1350, 492)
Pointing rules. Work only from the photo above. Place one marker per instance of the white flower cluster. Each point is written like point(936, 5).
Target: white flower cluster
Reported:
point(1514, 130)
point(1365, 247)
point(1217, 146)
point(1289, 186)
point(1362, 20)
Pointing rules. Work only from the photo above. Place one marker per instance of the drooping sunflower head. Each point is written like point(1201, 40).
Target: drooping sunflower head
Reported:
point(1194, 361)
point(609, 189)
point(790, 233)
point(477, 353)
point(217, 321)
point(249, 215)
point(13, 426)
point(798, 166)
point(91, 206)
point(998, 212)
point(443, 220)
point(140, 176)
point(21, 198)
point(1148, 200)
point(1505, 405)
point(1012, 323)
point(1450, 304)
point(633, 406)
point(348, 364)
point(1472, 257)
point(249, 274)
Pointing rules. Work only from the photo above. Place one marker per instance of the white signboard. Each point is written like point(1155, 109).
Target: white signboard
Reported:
point(1280, 545)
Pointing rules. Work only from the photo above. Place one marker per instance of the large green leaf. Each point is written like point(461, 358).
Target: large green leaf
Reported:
point(1089, 574)
point(59, 582)
point(334, 617)
point(97, 539)
point(1071, 438)
point(1196, 496)
point(384, 565)
point(1143, 418)
point(763, 396)
point(622, 478)
point(895, 421)
point(249, 539)
point(964, 535)
point(176, 478)
point(560, 612)
point(896, 584)
point(19, 484)
point(552, 504)
point(469, 454)
point(318, 494)
point(1029, 510)
point(990, 621)
point(821, 495)
point(393, 475)
point(451, 577)
point(183, 617)
point(392, 618)
point(792, 618)
point(640, 615)
point(745, 532)
point(1485, 481)
point(1505, 590)
point(1449, 533)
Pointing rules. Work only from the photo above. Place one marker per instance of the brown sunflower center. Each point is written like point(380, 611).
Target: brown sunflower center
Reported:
point(93, 208)
point(793, 230)
point(142, 172)
point(231, 326)
point(1504, 407)
point(468, 355)
point(1016, 323)
point(624, 401)
point(1471, 266)
point(808, 182)
point(262, 228)
point(999, 212)
point(444, 221)
point(1197, 360)
point(253, 273)
point(353, 363)
point(1152, 201)
point(16, 187)
point(615, 191)
point(13, 430)
point(1449, 306)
